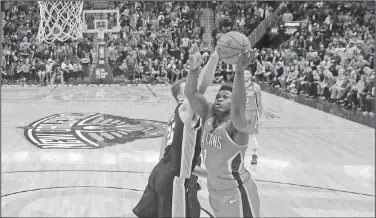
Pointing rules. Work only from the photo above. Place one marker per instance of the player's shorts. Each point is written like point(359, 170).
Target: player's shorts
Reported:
point(164, 198)
point(243, 201)
point(252, 117)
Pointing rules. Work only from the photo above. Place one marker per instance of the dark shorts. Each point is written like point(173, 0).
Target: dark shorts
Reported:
point(159, 195)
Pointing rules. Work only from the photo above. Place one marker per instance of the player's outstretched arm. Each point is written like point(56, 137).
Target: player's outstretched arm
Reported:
point(196, 100)
point(205, 80)
point(238, 97)
point(207, 73)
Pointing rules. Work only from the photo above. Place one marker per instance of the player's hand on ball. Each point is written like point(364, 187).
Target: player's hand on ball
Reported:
point(194, 57)
point(244, 61)
point(215, 51)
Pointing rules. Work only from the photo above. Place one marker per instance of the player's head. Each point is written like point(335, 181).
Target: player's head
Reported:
point(222, 102)
point(177, 90)
point(247, 75)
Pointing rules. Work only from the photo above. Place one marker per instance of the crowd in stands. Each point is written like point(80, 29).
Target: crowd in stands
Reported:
point(331, 57)
point(152, 45)
point(26, 59)
point(243, 16)
point(153, 40)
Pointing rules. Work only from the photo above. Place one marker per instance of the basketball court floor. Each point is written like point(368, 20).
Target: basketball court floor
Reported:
point(87, 151)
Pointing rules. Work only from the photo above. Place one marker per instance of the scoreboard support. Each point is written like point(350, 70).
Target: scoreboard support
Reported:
point(102, 73)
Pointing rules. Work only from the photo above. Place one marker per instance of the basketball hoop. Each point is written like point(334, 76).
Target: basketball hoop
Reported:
point(60, 20)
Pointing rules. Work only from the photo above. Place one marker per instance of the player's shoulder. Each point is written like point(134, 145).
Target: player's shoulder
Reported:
point(257, 87)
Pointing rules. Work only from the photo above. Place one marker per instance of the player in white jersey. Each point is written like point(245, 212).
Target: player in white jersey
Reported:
point(254, 111)
point(172, 189)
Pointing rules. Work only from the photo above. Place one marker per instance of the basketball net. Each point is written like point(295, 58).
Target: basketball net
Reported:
point(60, 20)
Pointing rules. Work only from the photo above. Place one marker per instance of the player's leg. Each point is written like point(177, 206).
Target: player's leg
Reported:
point(226, 203)
point(147, 206)
point(249, 188)
point(240, 202)
point(169, 192)
point(253, 144)
point(171, 196)
point(193, 205)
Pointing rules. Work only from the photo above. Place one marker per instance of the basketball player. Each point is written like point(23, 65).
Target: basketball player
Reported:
point(225, 135)
point(253, 111)
point(171, 190)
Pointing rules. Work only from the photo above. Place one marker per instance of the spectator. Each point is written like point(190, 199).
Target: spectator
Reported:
point(58, 74)
point(49, 70)
point(77, 70)
point(67, 69)
point(40, 69)
point(131, 62)
point(287, 16)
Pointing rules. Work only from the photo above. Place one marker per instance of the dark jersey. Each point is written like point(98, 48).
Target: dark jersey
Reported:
point(183, 146)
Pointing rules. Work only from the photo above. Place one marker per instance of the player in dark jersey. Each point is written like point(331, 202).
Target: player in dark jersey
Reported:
point(225, 135)
point(172, 189)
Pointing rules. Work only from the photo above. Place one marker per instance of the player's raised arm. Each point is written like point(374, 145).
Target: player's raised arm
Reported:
point(238, 97)
point(207, 73)
point(205, 80)
point(196, 100)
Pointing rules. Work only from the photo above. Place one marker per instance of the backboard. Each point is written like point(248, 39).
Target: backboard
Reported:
point(93, 19)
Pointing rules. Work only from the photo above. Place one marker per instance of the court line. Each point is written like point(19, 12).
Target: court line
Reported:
point(62, 187)
point(315, 187)
point(151, 91)
point(257, 180)
point(102, 171)
point(51, 90)
point(87, 186)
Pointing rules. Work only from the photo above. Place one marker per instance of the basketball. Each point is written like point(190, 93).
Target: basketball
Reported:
point(230, 45)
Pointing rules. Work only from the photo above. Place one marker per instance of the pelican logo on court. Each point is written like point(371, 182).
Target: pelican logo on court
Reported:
point(94, 130)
